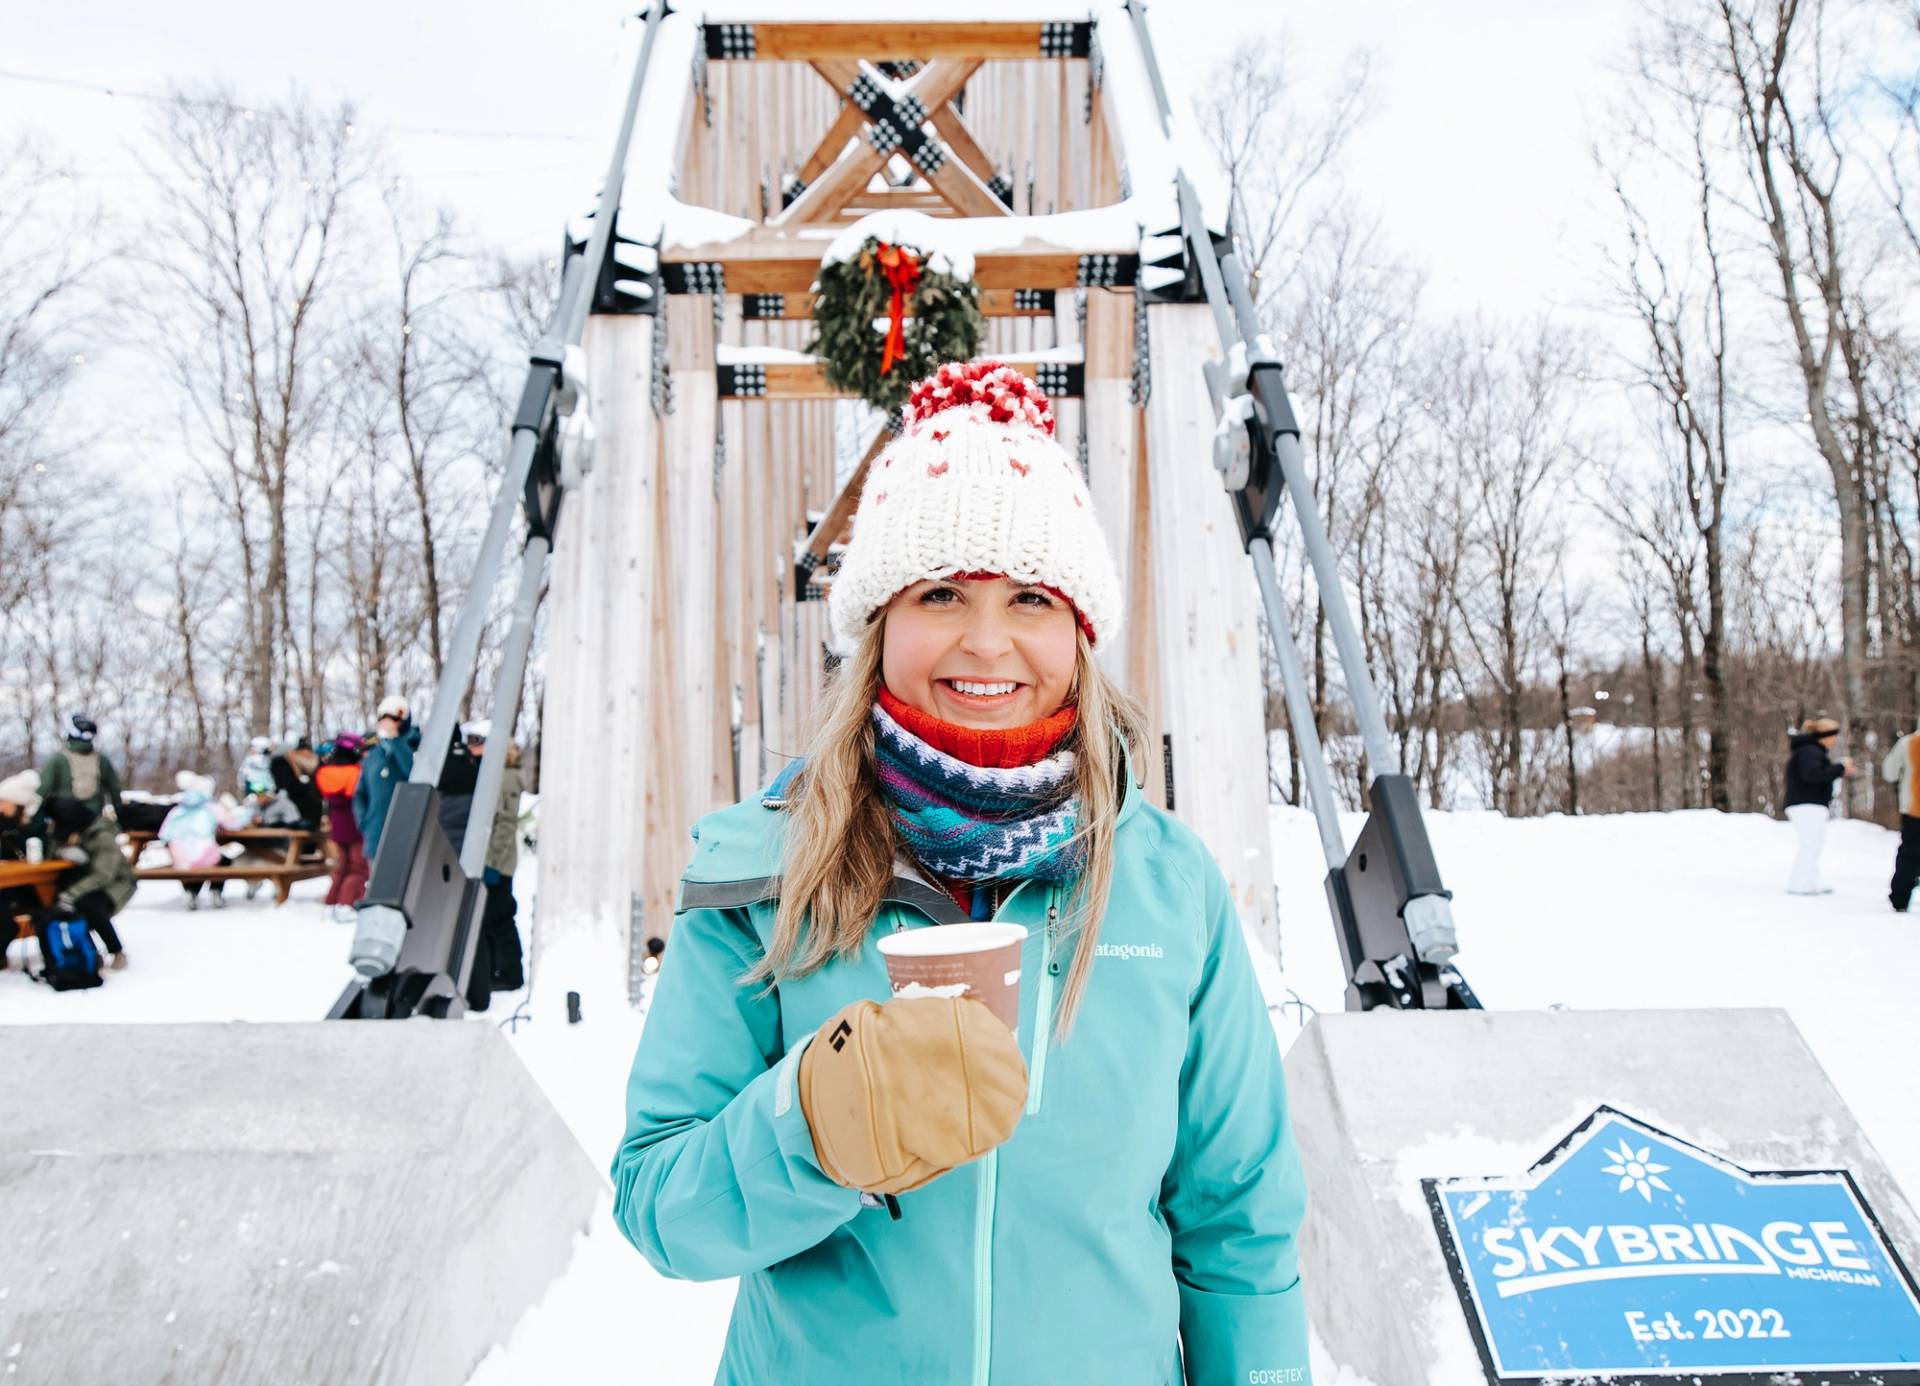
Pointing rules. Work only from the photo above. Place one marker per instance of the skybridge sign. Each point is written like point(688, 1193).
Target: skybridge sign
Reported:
point(1629, 1256)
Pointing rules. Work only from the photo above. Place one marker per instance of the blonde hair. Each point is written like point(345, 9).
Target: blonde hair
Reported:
point(1819, 726)
point(840, 843)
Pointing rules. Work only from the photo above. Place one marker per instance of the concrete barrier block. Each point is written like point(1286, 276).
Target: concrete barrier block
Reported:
point(1384, 1101)
point(324, 1202)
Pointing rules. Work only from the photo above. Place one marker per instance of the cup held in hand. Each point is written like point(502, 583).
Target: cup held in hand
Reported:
point(980, 960)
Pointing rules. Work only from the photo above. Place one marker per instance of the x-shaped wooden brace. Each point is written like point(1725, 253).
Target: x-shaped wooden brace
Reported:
point(891, 118)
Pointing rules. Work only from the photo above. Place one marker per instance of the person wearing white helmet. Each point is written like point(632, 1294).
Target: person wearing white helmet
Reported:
point(385, 769)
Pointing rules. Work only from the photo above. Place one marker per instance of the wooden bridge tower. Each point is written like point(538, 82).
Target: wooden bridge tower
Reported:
point(687, 642)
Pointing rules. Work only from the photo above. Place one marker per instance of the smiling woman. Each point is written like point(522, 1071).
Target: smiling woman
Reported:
point(1128, 1137)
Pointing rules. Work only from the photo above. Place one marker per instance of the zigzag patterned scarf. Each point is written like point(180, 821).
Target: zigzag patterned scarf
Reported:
point(971, 823)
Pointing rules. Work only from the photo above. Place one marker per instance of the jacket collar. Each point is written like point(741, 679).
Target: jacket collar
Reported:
point(738, 861)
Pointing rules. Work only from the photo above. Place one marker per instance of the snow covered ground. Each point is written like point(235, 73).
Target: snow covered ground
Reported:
point(1644, 910)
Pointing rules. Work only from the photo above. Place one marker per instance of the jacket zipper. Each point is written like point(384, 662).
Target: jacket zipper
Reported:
point(990, 1166)
point(1043, 1010)
point(983, 1268)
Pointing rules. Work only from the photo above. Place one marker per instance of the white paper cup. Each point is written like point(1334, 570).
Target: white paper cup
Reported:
point(979, 960)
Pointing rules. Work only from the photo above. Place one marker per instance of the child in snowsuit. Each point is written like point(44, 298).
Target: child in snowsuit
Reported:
point(1122, 1199)
point(191, 833)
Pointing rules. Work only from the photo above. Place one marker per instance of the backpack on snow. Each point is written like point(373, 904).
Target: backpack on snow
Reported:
point(68, 959)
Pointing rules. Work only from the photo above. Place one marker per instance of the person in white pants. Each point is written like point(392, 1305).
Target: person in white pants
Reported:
point(1811, 775)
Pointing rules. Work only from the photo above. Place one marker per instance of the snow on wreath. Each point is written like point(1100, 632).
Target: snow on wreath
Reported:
point(885, 318)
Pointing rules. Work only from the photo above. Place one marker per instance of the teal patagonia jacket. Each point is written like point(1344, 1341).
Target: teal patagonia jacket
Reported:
point(1139, 1229)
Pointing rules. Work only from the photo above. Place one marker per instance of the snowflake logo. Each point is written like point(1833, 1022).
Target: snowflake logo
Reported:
point(1636, 1170)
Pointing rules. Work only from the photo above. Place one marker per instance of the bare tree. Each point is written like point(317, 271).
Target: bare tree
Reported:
point(45, 265)
point(1772, 70)
point(251, 251)
point(1513, 424)
point(1678, 296)
point(1279, 148)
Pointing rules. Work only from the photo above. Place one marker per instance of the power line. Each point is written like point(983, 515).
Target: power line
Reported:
point(144, 175)
point(260, 113)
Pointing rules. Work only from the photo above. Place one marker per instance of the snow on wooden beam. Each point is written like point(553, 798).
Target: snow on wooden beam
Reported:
point(806, 42)
point(775, 263)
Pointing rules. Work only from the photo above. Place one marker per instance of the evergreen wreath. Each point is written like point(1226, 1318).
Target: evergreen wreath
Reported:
point(933, 317)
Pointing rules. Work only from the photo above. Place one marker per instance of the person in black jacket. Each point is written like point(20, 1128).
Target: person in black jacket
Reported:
point(1811, 775)
point(292, 772)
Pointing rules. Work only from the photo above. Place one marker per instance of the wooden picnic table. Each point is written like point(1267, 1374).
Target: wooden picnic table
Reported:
point(287, 855)
point(41, 877)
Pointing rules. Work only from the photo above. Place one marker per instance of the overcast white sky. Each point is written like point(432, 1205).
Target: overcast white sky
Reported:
point(1476, 152)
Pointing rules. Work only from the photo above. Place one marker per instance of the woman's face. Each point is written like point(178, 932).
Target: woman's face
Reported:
point(979, 652)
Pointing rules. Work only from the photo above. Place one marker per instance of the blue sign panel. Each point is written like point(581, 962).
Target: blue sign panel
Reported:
point(1627, 1255)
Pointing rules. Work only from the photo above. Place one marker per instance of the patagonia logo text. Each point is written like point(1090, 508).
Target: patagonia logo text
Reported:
point(1127, 950)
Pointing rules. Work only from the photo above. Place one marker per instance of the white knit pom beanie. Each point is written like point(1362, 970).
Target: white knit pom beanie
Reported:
point(23, 790)
point(975, 483)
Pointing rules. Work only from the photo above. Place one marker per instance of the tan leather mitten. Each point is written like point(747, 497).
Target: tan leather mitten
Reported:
point(897, 1095)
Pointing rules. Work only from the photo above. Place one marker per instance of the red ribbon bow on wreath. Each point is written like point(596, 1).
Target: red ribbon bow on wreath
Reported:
point(902, 270)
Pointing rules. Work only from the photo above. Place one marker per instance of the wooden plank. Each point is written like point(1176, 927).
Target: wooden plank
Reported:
point(959, 184)
point(686, 466)
point(833, 144)
point(840, 514)
point(1205, 622)
point(952, 127)
point(807, 42)
point(795, 380)
point(1143, 648)
point(771, 263)
point(994, 303)
point(965, 189)
point(597, 730)
point(934, 85)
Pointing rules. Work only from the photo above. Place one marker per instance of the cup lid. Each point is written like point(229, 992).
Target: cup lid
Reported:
point(940, 940)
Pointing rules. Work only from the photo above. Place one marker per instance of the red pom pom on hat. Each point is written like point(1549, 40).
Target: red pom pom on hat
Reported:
point(1005, 392)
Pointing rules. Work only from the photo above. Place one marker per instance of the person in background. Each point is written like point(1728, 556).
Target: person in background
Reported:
point(292, 774)
point(384, 770)
point(191, 833)
point(19, 812)
point(457, 778)
point(19, 808)
point(256, 771)
point(79, 771)
point(497, 928)
point(1811, 775)
point(336, 780)
point(105, 884)
point(1901, 767)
